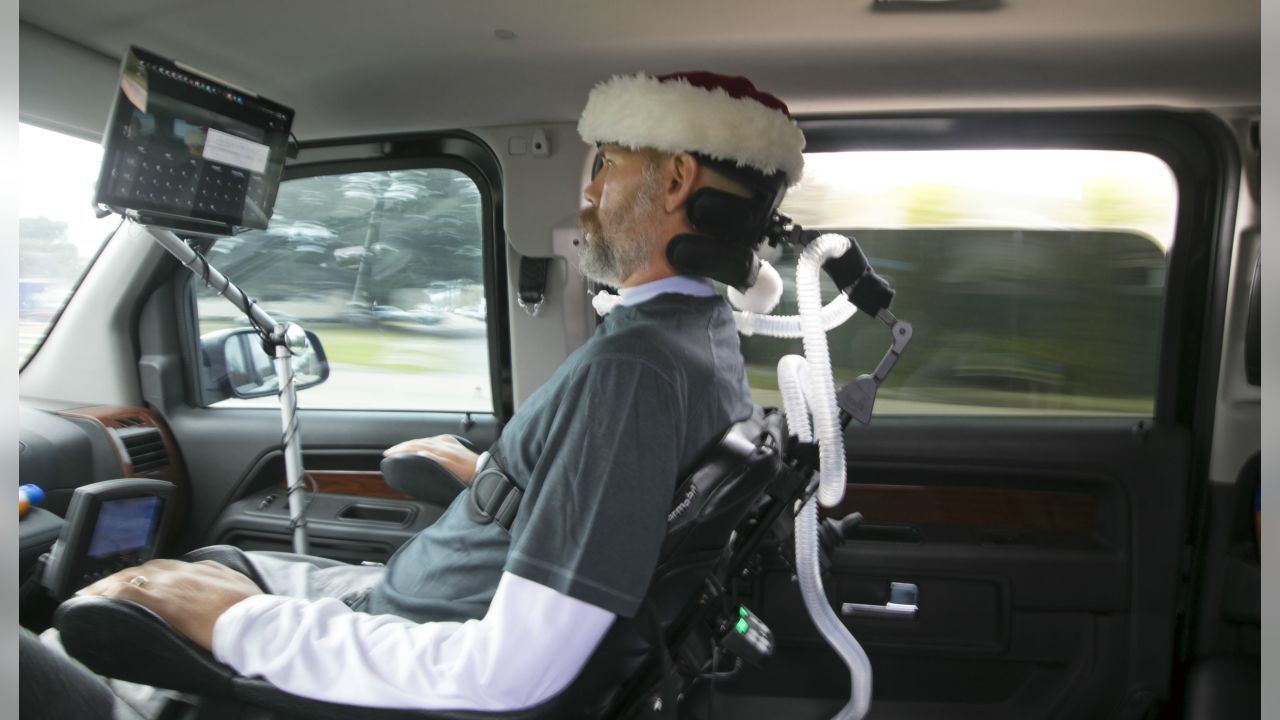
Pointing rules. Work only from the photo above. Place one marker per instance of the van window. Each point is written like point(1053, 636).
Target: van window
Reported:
point(387, 269)
point(58, 232)
point(1034, 279)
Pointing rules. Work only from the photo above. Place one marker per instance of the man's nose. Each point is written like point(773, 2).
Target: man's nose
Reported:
point(592, 192)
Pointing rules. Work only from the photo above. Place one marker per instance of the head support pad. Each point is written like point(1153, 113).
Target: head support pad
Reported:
point(726, 216)
point(728, 228)
point(732, 264)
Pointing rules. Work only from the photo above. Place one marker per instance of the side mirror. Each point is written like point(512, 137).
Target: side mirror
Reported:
point(242, 368)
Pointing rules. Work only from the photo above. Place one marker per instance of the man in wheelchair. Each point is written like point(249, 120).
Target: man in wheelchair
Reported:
point(499, 604)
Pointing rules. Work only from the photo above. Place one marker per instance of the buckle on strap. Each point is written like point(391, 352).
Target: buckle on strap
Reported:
point(533, 284)
point(494, 497)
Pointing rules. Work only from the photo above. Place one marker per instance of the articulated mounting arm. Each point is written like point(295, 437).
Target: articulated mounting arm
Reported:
point(281, 341)
point(858, 397)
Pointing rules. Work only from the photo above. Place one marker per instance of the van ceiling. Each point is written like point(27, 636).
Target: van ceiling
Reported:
point(352, 68)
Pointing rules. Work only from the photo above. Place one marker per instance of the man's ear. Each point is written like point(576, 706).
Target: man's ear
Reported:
point(682, 178)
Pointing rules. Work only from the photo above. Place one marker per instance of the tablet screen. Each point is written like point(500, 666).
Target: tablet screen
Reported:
point(180, 144)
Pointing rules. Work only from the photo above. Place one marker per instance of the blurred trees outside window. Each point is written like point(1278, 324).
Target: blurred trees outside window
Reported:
point(1034, 279)
point(387, 268)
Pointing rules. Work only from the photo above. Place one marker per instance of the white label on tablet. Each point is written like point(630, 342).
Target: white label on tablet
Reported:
point(231, 150)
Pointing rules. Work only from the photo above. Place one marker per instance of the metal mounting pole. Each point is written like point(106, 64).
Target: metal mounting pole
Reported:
point(291, 338)
point(284, 340)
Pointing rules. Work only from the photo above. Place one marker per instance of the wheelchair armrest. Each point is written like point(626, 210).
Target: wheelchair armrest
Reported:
point(124, 640)
point(421, 478)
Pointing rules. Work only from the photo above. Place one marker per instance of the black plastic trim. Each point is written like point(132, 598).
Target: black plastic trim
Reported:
point(1253, 330)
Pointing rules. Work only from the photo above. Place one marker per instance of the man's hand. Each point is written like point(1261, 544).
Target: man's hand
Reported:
point(190, 596)
point(444, 449)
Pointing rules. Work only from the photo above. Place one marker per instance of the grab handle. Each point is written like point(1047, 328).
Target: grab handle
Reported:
point(903, 604)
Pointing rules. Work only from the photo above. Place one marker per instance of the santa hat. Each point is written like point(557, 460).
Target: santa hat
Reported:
point(722, 117)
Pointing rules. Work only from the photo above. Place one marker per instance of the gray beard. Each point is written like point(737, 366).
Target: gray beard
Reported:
point(611, 261)
point(610, 256)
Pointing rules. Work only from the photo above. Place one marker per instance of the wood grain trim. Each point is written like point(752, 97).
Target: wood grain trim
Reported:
point(971, 507)
point(110, 419)
point(362, 483)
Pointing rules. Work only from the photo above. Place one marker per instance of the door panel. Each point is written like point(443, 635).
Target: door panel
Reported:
point(352, 514)
point(1046, 580)
point(341, 527)
point(234, 453)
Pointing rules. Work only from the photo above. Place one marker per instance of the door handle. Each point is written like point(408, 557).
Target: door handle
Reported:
point(903, 604)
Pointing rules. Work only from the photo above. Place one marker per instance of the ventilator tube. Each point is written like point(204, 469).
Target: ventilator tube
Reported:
point(793, 381)
point(809, 572)
point(834, 315)
point(808, 388)
point(822, 389)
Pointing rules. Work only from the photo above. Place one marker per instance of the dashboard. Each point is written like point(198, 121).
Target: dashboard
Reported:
point(65, 449)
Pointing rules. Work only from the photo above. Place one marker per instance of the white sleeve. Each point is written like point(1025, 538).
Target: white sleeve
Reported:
point(529, 646)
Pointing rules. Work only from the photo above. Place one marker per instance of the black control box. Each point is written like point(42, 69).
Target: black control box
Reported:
point(109, 526)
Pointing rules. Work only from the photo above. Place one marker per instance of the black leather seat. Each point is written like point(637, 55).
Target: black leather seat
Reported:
point(741, 484)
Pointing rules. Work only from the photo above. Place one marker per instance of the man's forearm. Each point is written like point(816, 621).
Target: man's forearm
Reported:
point(529, 646)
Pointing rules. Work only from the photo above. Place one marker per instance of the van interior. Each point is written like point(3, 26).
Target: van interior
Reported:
point(1064, 465)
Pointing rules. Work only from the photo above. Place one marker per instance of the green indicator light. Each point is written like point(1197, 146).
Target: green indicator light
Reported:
point(742, 611)
point(741, 627)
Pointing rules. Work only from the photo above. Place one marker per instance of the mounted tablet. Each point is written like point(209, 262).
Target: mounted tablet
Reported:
point(109, 526)
point(187, 151)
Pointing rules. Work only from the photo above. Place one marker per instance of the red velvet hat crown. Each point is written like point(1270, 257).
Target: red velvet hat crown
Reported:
point(736, 86)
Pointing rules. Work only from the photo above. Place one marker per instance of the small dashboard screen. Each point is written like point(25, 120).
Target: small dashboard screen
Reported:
point(124, 526)
point(186, 146)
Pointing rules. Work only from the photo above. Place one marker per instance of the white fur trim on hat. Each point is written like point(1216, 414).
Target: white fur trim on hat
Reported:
point(639, 111)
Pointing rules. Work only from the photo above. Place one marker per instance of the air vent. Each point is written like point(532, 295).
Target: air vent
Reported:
point(132, 421)
point(145, 447)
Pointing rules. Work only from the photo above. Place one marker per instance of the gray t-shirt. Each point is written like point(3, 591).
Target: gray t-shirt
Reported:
point(597, 450)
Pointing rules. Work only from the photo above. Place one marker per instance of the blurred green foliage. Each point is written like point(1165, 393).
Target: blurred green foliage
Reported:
point(1048, 319)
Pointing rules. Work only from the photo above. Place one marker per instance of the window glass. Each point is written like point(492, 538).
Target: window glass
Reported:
point(1034, 279)
point(387, 269)
point(58, 232)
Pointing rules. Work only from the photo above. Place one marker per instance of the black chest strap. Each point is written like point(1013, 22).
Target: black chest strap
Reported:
point(494, 498)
